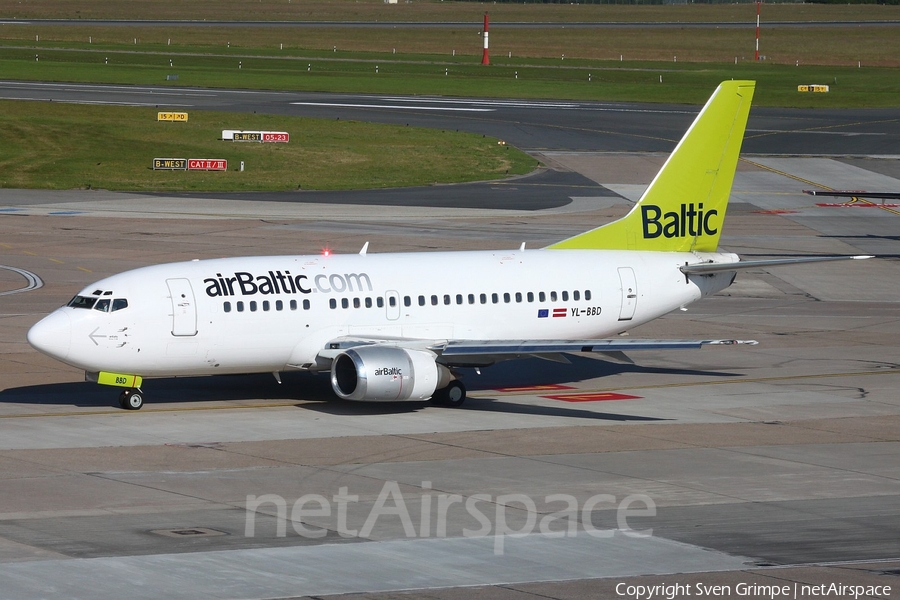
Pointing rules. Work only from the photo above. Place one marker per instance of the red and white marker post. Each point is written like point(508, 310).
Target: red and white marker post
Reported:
point(485, 59)
point(758, 3)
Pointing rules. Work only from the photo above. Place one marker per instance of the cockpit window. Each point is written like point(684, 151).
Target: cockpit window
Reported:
point(102, 305)
point(119, 304)
point(82, 302)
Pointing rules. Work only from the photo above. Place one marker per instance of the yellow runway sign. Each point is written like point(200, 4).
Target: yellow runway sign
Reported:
point(172, 116)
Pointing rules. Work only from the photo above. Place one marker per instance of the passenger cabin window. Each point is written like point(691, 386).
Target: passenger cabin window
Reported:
point(587, 294)
point(266, 305)
point(332, 303)
point(518, 296)
point(565, 296)
point(240, 306)
point(434, 300)
point(356, 303)
point(379, 301)
point(495, 298)
point(531, 296)
point(471, 298)
point(345, 303)
point(368, 302)
point(542, 296)
point(253, 306)
point(552, 296)
point(407, 301)
point(305, 305)
point(279, 305)
point(576, 295)
point(459, 298)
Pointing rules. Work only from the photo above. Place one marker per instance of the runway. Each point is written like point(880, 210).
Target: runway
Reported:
point(771, 464)
point(527, 124)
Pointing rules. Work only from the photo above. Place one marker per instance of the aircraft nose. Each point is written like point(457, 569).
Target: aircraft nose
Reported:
point(52, 335)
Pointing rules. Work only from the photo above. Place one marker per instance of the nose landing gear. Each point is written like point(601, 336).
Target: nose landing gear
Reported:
point(131, 399)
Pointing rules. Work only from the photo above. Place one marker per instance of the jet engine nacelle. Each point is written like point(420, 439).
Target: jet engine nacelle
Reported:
point(387, 373)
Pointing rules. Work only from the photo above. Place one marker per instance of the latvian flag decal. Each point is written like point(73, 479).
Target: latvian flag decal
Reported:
point(543, 313)
point(559, 312)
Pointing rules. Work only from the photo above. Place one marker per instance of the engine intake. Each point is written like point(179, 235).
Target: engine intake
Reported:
point(386, 373)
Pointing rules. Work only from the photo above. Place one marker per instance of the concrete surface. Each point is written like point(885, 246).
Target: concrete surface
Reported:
point(774, 463)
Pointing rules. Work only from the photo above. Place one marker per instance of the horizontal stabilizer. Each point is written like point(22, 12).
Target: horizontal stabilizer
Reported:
point(709, 268)
point(854, 194)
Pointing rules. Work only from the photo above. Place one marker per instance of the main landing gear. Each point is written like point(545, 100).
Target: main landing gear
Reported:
point(453, 395)
point(131, 399)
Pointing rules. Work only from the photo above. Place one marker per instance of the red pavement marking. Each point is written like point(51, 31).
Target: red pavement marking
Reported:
point(592, 397)
point(536, 388)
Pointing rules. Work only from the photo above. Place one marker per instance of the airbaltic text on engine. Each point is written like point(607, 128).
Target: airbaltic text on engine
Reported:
point(278, 282)
point(689, 222)
point(389, 371)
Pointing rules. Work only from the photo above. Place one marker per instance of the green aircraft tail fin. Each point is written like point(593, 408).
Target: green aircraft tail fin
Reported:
point(684, 207)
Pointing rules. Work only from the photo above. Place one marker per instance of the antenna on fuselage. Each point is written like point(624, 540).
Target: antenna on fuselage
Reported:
point(365, 248)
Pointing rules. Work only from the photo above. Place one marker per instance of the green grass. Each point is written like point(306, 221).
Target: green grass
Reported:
point(428, 10)
point(61, 146)
point(47, 145)
point(682, 82)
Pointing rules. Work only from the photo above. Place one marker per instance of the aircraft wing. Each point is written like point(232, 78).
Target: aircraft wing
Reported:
point(519, 347)
point(478, 352)
point(712, 267)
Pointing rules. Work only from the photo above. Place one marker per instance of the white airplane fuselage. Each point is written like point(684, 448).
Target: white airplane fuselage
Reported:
point(270, 314)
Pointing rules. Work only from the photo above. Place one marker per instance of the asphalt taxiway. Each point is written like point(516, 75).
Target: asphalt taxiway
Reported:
point(770, 464)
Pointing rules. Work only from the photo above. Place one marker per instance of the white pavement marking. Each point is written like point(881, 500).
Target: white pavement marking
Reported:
point(814, 131)
point(394, 107)
point(519, 104)
point(34, 282)
point(345, 568)
point(103, 102)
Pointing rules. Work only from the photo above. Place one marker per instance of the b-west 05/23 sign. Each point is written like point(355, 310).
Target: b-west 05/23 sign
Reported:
point(233, 135)
point(190, 164)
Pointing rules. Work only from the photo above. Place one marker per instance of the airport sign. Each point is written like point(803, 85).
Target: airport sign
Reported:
point(207, 164)
point(180, 117)
point(170, 164)
point(276, 136)
point(234, 135)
